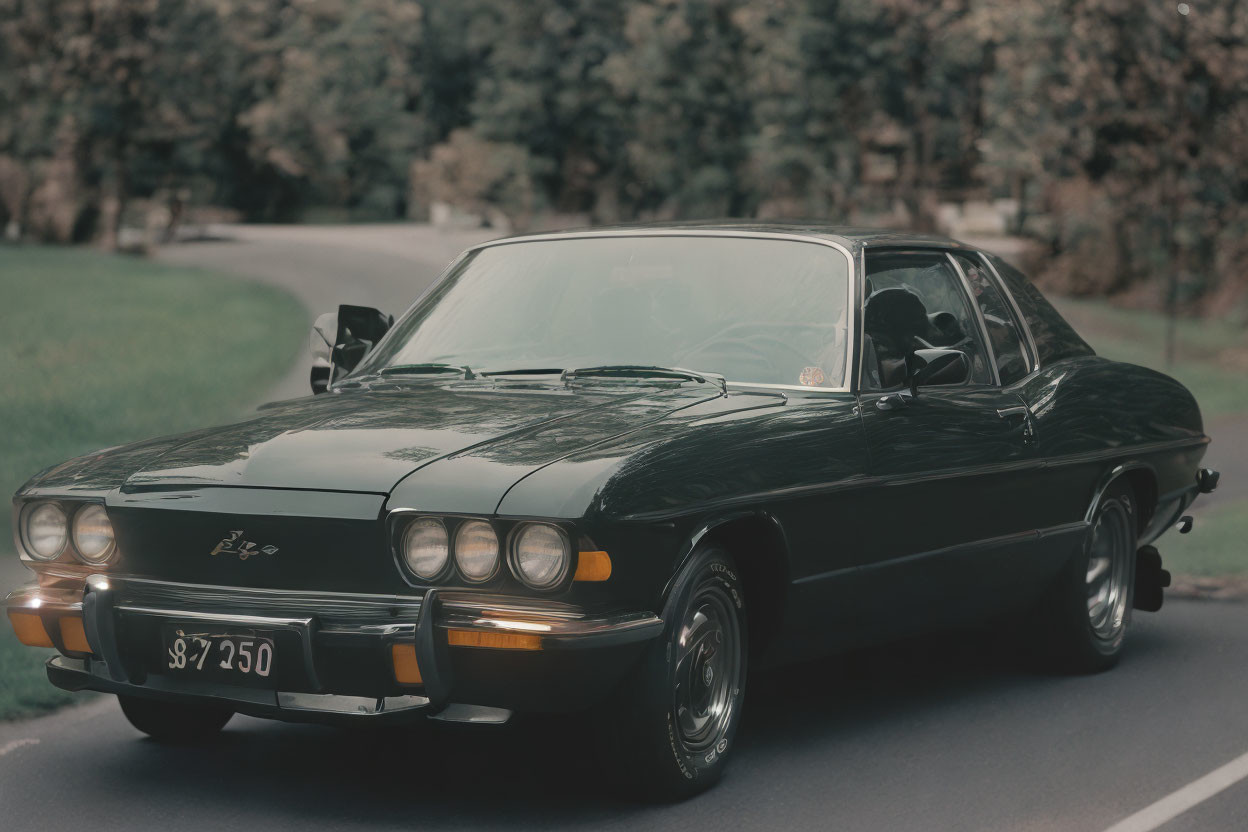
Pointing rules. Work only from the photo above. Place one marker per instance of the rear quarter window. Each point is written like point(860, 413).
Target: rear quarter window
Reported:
point(1055, 339)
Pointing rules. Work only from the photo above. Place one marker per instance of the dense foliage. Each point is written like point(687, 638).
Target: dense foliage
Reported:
point(1119, 128)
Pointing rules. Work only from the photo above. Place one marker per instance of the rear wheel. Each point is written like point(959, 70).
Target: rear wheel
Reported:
point(174, 722)
point(1090, 607)
point(668, 733)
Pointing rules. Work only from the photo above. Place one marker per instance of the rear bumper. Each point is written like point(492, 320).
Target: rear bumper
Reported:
point(337, 648)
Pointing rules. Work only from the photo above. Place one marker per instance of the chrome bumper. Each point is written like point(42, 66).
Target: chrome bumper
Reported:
point(338, 620)
point(78, 674)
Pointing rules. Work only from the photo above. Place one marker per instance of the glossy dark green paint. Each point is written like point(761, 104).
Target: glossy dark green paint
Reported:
point(879, 523)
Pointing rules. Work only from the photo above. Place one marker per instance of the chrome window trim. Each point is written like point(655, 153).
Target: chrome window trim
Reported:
point(1018, 313)
point(861, 312)
point(851, 345)
point(968, 293)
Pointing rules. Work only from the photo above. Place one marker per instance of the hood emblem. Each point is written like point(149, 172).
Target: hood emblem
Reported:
point(235, 545)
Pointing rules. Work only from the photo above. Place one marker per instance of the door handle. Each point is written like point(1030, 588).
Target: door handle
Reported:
point(1029, 431)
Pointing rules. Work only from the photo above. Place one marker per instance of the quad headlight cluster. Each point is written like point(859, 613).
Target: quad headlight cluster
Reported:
point(539, 555)
point(51, 528)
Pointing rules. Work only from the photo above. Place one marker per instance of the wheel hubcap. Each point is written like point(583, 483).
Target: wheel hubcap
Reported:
point(1108, 571)
point(707, 669)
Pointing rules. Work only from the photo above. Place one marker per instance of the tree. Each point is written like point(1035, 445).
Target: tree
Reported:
point(111, 100)
point(1132, 124)
point(1119, 127)
point(337, 109)
point(679, 82)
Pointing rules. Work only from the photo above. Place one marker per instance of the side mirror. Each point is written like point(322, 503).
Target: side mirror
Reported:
point(340, 340)
point(321, 345)
point(934, 366)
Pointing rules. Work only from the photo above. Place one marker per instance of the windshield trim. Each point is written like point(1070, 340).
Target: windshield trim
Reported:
point(853, 312)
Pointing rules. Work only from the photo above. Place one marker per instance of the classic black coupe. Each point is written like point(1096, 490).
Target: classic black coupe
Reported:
point(581, 463)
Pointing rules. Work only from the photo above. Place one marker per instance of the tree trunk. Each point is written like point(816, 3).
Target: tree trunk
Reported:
point(113, 206)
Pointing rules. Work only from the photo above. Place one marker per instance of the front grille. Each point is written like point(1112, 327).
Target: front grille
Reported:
point(328, 554)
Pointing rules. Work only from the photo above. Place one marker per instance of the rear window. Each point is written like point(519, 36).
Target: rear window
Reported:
point(1055, 339)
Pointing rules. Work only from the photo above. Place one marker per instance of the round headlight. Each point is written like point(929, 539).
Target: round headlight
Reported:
point(46, 530)
point(93, 534)
point(541, 555)
point(426, 547)
point(476, 550)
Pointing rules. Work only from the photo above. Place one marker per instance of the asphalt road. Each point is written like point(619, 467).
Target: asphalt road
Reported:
point(938, 735)
point(955, 733)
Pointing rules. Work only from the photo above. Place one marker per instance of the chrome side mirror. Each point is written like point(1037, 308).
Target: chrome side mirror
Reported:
point(938, 367)
point(321, 345)
point(340, 340)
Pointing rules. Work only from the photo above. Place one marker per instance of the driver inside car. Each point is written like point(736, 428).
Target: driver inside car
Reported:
point(894, 321)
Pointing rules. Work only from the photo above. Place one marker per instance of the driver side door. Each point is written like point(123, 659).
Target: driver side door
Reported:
point(949, 500)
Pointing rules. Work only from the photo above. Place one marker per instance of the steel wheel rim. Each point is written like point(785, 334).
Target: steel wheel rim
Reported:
point(708, 669)
point(1109, 553)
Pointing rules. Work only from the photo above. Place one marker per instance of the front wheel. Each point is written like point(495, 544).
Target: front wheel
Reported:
point(173, 722)
point(669, 731)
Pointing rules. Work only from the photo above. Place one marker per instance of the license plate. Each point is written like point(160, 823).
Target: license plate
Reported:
point(228, 658)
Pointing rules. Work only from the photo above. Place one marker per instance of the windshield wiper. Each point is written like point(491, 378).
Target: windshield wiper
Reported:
point(603, 371)
point(535, 371)
point(425, 369)
point(646, 371)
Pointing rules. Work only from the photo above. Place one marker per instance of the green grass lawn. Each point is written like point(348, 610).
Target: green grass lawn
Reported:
point(1217, 546)
point(99, 350)
point(24, 687)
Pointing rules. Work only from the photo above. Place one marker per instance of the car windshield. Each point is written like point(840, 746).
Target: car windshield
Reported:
point(754, 310)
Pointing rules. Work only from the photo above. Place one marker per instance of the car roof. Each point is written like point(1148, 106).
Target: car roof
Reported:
point(852, 238)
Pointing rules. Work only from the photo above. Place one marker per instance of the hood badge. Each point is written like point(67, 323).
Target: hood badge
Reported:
point(235, 545)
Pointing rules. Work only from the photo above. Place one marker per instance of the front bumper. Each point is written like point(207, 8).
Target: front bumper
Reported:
point(342, 644)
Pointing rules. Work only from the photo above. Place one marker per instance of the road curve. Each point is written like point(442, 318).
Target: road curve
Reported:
point(384, 266)
point(950, 733)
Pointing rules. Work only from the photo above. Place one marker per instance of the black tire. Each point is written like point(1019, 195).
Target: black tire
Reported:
point(173, 722)
point(1085, 622)
point(669, 731)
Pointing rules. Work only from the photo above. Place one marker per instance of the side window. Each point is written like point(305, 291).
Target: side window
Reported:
point(1003, 333)
point(916, 300)
point(1055, 339)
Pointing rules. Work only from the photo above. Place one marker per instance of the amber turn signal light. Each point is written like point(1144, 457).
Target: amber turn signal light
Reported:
point(29, 629)
point(406, 669)
point(73, 636)
point(592, 566)
point(504, 641)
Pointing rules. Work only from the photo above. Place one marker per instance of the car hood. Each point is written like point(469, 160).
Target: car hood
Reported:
point(368, 440)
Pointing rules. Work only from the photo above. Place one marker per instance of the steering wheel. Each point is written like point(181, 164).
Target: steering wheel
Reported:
point(770, 353)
